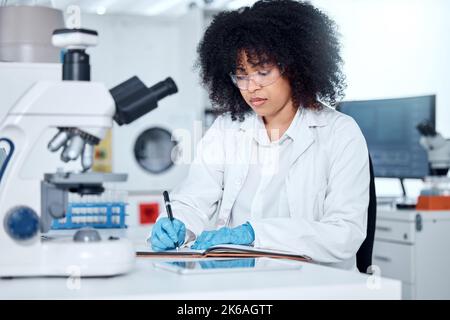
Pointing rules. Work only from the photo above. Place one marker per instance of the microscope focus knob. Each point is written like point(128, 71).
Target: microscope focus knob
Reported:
point(21, 223)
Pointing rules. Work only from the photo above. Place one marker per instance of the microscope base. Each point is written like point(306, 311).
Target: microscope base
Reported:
point(66, 258)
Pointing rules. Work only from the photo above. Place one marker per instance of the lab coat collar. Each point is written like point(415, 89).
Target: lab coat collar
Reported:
point(317, 117)
point(312, 118)
point(302, 132)
point(260, 133)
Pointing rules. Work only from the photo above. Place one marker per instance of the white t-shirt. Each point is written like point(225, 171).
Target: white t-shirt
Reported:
point(266, 177)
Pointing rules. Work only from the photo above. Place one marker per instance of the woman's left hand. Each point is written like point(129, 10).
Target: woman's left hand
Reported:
point(243, 235)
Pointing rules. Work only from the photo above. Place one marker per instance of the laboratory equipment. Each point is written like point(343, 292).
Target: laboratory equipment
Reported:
point(389, 126)
point(435, 194)
point(153, 149)
point(104, 211)
point(81, 112)
point(25, 33)
point(17, 77)
point(101, 215)
point(157, 150)
point(437, 147)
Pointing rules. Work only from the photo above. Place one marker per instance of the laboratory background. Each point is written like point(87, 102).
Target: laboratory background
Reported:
point(139, 55)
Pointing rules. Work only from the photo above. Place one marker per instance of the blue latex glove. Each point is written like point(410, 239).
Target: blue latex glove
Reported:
point(166, 233)
point(235, 263)
point(242, 234)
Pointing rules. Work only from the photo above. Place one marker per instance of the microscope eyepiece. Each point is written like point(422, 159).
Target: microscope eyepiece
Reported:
point(163, 89)
point(133, 99)
point(426, 129)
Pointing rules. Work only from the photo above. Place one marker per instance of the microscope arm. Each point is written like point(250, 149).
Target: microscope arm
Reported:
point(434, 142)
point(438, 150)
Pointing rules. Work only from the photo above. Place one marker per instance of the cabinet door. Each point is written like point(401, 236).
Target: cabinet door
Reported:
point(408, 291)
point(394, 260)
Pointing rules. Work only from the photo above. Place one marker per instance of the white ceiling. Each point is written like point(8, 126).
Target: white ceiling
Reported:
point(140, 7)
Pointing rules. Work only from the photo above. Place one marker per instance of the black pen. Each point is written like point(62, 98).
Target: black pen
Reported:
point(169, 210)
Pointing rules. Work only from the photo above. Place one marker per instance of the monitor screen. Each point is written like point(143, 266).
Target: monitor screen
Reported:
point(389, 127)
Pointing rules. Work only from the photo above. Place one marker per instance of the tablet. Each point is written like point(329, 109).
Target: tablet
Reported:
point(227, 265)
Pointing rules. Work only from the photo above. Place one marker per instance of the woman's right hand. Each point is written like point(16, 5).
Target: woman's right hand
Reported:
point(167, 234)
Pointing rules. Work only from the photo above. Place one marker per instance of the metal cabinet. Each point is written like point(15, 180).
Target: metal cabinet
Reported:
point(414, 247)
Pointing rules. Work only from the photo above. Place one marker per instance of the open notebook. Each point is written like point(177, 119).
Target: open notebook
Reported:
point(223, 251)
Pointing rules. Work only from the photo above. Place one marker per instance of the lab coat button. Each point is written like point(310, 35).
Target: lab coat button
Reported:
point(238, 182)
point(221, 222)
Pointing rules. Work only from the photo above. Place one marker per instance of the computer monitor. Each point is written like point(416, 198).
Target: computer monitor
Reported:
point(389, 127)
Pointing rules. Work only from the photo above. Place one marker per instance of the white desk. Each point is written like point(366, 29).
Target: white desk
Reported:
point(145, 282)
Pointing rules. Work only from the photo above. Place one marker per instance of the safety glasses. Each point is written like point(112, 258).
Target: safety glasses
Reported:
point(262, 78)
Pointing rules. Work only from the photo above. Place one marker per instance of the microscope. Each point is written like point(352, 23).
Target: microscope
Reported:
point(437, 147)
point(76, 113)
point(435, 195)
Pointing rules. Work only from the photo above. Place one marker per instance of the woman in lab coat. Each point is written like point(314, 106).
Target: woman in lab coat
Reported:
point(279, 168)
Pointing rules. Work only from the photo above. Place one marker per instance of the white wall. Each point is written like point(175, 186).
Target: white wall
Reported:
point(395, 48)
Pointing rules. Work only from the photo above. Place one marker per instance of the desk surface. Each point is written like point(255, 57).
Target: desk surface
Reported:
point(147, 282)
point(384, 212)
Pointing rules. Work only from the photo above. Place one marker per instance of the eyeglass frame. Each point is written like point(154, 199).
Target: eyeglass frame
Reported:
point(250, 77)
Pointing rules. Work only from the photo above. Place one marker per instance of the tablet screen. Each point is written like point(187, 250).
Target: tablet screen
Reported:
point(227, 265)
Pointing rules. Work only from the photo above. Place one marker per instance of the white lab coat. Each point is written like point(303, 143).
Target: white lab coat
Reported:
point(327, 186)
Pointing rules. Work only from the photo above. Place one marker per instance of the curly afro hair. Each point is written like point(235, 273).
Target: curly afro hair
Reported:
point(295, 35)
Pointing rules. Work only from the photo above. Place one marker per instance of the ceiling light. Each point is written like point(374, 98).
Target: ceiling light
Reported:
point(101, 10)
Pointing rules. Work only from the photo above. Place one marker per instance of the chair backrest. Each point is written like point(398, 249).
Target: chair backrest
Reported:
point(364, 254)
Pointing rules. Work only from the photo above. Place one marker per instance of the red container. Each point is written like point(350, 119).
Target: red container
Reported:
point(433, 203)
point(148, 212)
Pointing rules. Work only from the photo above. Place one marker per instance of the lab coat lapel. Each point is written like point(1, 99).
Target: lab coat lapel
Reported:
point(239, 168)
point(303, 137)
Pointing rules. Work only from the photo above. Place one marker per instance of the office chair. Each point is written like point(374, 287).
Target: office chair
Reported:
point(364, 254)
